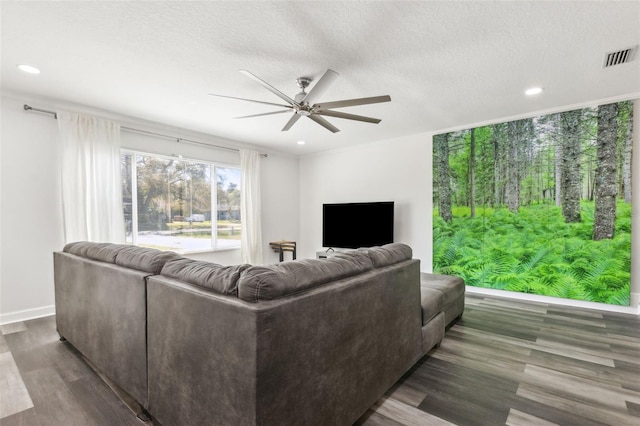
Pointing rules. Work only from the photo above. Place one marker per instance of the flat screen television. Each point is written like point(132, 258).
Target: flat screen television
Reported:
point(354, 225)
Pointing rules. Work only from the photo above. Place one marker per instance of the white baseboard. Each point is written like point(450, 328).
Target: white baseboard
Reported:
point(632, 310)
point(635, 300)
point(27, 314)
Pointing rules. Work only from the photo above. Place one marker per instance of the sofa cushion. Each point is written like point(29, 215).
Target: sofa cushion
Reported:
point(285, 278)
point(432, 302)
point(452, 287)
point(433, 332)
point(79, 248)
point(221, 279)
point(144, 259)
point(103, 252)
point(388, 254)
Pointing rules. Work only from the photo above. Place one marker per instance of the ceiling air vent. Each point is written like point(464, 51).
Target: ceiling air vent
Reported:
point(619, 57)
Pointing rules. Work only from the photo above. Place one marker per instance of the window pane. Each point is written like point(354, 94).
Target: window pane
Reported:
point(174, 204)
point(229, 225)
point(169, 203)
point(127, 206)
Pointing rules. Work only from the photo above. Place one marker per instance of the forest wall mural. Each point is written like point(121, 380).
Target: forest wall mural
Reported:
point(540, 205)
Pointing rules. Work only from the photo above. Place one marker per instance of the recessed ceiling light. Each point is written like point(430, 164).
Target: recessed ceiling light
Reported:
point(533, 91)
point(29, 69)
point(301, 142)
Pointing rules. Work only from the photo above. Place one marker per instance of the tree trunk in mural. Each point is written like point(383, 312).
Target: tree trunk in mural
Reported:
point(605, 185)
point(558, 165)
point(444, 184)
point(526, 155)
point(496, 165)
point(570, 186)
point(626, 174)
point(512, 190)
point(558, 174)
point(472, 174)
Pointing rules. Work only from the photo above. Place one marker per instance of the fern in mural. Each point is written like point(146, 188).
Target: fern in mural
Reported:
point(536, 252)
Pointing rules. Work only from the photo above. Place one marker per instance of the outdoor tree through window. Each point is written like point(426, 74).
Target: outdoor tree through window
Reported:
point(169, 203)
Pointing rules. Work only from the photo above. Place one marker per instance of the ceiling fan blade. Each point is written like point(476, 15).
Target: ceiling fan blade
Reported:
point(250, 100)
point(291, 122)
point(348, 116)
point(321, 86)
point(265, 113)
point(352, 102)
point(269, 87)
point(324, 123)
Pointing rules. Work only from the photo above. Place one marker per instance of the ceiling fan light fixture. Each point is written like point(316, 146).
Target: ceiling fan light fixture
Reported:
point(300, 96)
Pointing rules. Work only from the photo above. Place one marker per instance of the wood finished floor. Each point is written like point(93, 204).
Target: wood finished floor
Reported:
point(505, 362)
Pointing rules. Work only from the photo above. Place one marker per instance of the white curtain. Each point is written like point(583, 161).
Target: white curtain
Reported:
point(91, 180)
point(251, 240)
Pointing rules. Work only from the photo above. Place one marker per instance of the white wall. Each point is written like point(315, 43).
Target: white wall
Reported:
point(396, 170)
point(30, 209)
point(31, 221)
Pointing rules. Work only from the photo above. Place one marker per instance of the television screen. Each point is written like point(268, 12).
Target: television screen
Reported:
point(354, 225)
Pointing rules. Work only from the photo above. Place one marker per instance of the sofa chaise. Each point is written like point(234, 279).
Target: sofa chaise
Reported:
point(309, 341)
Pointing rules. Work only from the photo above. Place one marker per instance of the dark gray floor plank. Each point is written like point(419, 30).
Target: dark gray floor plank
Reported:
point(53, 401)
point(583, 369)
point(371, 418)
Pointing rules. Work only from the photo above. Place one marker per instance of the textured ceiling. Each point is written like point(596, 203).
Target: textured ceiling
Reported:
point(444, 64)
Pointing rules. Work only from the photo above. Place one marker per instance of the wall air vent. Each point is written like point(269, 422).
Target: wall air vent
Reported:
point(619, 57)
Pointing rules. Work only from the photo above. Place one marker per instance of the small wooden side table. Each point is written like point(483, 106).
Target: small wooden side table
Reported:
point(281, 246)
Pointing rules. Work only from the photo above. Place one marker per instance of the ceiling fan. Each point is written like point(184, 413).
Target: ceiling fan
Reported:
point(303, 104)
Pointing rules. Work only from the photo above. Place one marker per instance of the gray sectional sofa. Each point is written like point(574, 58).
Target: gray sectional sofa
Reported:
point(311, 342)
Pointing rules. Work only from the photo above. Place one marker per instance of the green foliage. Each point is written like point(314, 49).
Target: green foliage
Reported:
point(535, 251)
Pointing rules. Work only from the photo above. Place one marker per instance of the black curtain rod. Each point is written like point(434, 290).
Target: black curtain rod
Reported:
point(146, 132)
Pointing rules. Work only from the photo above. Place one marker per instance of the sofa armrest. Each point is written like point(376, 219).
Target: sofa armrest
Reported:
point(100, 310)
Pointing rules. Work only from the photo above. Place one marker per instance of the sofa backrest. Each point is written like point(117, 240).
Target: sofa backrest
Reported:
point(219, 278)
point(103, 252)
point(388, 254)
point(133, 257)
point(249, 283)
point(282, 279)
point(257, 283)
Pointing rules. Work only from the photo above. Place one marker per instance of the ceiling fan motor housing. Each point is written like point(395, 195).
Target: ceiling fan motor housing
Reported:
point(303, 82)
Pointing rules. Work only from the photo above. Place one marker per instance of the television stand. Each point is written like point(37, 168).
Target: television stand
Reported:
point(327, 253)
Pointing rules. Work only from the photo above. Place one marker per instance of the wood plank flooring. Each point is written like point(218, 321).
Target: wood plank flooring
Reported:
point(514, 363)
point(505, 362)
